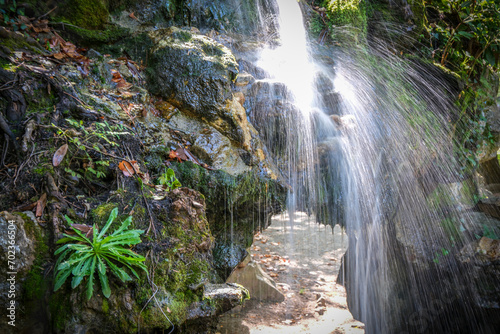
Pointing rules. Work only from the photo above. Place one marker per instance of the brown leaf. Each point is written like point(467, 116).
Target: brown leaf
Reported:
point(121, 83)
point(86, 229)
point(59, 155)
point(174, 155)
point(144, 177)
point(132, 16)
point(59, 55)
point(40, 205)
point(126, 168)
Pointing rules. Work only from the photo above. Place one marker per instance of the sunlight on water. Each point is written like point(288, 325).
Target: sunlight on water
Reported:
point(364, 141)
point(289, 62)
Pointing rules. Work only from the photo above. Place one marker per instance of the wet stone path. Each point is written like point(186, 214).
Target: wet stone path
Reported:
point(304, 260)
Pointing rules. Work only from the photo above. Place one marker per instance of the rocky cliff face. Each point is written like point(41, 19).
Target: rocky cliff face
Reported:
point(120, 118)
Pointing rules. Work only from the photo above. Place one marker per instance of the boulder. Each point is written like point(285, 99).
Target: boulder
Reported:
point(217, 299)
point(194, 73)
point(260, 285)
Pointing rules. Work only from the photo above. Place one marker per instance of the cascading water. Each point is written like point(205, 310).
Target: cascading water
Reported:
point(288, 80)
point(366, 142)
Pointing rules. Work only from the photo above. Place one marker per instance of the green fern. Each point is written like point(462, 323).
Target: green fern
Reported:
point(83, 256)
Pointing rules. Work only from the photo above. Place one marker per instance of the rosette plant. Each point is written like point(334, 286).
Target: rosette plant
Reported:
point(84, 253)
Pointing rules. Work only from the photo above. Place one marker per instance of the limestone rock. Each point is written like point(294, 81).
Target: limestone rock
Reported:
point(194, 73)
point(22, 242)
point(244, 79)
point(217, 299)
point(259, 284)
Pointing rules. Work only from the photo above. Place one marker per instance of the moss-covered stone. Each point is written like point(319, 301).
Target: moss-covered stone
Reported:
point(94, 38)
point(87, 14)
point(101, 213)
point(237, 207)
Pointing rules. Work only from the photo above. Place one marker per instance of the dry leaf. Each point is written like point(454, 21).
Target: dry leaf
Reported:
point(132, 16)
point(40, 205)
point(121, 83)
point(126, 168)
point(86, 229)
point(59, 155)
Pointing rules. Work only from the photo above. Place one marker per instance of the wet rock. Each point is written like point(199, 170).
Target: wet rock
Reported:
point(490, 206)
point(323, 83)
point(244, 79)
point(259, 284)
point(482, 258)
point(22, 251)
point(217, 299)
point(194, 73)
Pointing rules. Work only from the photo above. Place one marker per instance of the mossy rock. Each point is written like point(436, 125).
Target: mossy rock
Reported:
point(194, 73)
point(87, 14)
point(94, 38)
point(237, 207)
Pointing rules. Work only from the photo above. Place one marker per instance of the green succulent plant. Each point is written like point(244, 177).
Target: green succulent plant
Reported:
point(93, 251)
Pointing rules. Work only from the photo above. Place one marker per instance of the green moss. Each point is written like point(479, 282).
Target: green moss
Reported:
point(105, 305)
point(59, 304)
point(21, 44)
point(347, 12)
point(91, 37)
point(35, 285)
point(88, 14)
point(101, 213)
point(346, 19)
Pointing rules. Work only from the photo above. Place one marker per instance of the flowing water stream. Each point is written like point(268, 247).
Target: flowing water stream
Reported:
point(365, 142)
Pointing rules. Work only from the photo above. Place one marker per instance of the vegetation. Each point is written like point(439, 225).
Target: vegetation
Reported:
point(463, 37)
point(169, 180)
point(84, 256)
point(335, 17)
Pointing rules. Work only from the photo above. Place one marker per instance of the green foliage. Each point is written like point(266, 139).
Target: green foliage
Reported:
point(9, 12)
point(463, 35)
point(83, 256)
point(169, 180)
point(488, 232)
point(340, 17)
point(89, 139)
point(443, 252)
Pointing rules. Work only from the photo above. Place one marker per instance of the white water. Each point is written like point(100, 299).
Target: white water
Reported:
point(387, 156)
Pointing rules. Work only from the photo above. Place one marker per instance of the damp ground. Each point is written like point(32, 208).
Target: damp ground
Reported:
point(303, 258)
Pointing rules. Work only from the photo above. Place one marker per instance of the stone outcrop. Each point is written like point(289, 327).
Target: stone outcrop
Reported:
point(259, 284)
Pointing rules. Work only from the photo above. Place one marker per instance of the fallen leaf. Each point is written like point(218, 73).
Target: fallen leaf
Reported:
point(40, 205)
point(121, 83)
point(59, 155)
point(59, 55)
point(132, 16)
point(144, 176)
point(126, 168)
point(86, 229)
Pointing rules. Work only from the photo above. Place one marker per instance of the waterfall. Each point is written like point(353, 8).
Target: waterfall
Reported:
point(365, 141)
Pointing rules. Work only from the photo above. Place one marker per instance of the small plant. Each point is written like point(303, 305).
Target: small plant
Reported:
point(93, 251)
point(169, 180)
point(89, 139)
point(9, 12)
